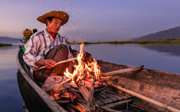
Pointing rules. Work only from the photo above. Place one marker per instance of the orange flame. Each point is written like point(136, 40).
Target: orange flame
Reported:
point(83, 70)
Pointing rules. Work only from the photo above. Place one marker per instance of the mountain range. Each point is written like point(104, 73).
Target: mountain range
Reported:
point(4, 39)
point(169, 34)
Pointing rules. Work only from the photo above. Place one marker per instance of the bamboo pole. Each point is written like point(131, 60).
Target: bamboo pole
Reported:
point(165, 106)
point(60, 62)
point(122, 71)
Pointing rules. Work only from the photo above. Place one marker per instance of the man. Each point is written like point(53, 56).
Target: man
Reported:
point(26, 35)
point(43, 43)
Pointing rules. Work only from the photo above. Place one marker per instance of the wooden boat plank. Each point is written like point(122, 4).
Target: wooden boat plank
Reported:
point(118, 103)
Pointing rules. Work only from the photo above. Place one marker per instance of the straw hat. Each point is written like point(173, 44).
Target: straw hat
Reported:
point(58, 14)
point(27, 32)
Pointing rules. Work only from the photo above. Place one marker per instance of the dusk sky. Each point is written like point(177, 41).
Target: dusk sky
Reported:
point(92, 20)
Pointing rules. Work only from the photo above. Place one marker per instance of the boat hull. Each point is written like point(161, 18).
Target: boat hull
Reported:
point(32, 101)
point(34, 97)
point(161, 86)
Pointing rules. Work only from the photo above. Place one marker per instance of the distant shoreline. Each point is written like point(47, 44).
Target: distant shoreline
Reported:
point(142, 42)
point(5, 44)
point(131, 42)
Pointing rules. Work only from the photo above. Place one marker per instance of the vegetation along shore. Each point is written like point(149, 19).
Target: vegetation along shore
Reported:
point(5, 44)
point(132, 42)
point(172, 41)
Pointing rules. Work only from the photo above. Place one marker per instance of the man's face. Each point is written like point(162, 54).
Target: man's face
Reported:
point(54, 25)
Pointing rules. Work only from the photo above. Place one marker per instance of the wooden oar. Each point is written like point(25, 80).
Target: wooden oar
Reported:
point(64, 61)
point(122, 71)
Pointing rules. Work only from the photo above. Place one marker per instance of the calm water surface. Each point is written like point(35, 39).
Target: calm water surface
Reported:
point(10, 98)
point(136, 55)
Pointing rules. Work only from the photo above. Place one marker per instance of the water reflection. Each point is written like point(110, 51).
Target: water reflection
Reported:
point(8, 57)
point(11, 100)
point(171, 49)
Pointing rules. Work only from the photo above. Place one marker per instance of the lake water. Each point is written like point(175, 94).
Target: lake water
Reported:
point(135, 55)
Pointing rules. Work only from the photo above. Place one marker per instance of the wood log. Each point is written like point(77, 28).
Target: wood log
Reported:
point(122, 71)
point(90, 104)
point(84, 91)
point(57, 86)
point(162, 105)
point(91, 91)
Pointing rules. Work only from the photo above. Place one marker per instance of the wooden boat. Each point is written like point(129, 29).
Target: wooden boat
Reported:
point(144, 90)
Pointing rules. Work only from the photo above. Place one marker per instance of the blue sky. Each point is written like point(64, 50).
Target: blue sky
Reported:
point(92, 20)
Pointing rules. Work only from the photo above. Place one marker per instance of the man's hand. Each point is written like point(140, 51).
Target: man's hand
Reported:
point(49, 63)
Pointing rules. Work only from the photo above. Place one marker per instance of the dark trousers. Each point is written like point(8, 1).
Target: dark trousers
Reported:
point(58, 53)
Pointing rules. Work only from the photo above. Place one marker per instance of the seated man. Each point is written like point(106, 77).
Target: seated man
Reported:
point(26, 35)
point(47, 47)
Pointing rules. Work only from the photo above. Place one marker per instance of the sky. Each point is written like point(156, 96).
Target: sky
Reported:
point(92, 20)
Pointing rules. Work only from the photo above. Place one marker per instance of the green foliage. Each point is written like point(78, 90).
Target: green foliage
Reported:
point(5, 44)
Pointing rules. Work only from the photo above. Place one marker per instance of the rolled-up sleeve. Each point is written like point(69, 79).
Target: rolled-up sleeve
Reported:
point(31, 54)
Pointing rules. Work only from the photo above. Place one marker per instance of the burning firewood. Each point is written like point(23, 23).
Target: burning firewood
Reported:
point(85, 81)
point(84, 91)
point(90, 99)
point(82, 72)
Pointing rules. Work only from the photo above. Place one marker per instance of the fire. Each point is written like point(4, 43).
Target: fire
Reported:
point(83, 70)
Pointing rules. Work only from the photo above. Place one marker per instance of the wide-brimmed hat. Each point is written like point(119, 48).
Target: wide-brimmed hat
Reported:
point(27, 32)
point(57, 14)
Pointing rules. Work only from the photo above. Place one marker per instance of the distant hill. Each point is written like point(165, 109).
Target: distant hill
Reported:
point(4, 39)
point(173, 33)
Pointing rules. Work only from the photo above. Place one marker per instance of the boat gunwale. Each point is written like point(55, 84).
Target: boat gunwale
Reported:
point(144, 79)
point(49, 102)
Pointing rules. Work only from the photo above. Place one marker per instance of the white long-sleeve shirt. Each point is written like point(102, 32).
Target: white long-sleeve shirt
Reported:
point(39, 44)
